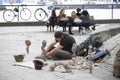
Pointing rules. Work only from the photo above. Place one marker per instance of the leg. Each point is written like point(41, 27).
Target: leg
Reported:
point(93, 28)
point(50, 27)
point(86, 25)
point(80, 29)
point(101, 54)
point(47, 24)
point(64, 28)
point(53, 27)
point(78, 24)
point(62, 55)
point(70, 29)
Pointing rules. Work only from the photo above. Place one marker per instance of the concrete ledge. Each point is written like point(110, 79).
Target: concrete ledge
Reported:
point(37, 23)
point(22, 24)
point(107, 21)
point(107, 33)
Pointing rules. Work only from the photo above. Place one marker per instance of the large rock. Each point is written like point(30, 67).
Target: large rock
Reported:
point(116, 65)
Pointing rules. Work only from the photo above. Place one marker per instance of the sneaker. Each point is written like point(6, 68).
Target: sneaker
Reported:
point(71, 33)
point(93, 28)
point(107, 52)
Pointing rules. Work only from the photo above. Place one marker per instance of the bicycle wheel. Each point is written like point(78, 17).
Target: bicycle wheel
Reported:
point(8, 15)
point(25, 14)
point(40, 14)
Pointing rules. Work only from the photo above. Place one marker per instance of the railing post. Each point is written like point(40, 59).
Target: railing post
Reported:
point(18, 12)
point(112, 11)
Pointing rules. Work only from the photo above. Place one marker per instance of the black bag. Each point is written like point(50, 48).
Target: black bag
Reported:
point(16, 10)
point(96, 41)
point(82, 48)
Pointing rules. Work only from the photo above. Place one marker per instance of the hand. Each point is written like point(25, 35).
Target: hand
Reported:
point(48, 55)
point(42, 56)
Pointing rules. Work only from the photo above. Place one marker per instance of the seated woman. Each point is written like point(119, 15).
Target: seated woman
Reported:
point(63, 20)
point(52, 19)
point(76, 20)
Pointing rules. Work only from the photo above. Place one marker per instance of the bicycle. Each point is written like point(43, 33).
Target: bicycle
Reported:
point(40, 14)
point(9, 14)
point(25, 13)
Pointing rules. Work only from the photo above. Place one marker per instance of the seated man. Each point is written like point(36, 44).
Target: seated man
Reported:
point(63, 50)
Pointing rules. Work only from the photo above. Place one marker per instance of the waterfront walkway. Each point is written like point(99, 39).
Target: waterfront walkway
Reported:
point(12, 42)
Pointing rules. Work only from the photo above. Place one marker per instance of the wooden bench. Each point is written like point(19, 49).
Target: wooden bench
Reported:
point(85, 26)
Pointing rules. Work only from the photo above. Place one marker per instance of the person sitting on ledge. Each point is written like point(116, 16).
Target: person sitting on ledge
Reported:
point(63, 50)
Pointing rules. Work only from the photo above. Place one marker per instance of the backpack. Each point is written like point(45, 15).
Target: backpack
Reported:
point(82, 48)
point(96, 41)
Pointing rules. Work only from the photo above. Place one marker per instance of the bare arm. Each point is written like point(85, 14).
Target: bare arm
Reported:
point(54, 50)
point(51, 46)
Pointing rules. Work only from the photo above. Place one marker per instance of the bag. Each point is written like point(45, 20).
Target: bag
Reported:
point(82, 48)
point(96, 41)
point(77, 20)
point(16, 10)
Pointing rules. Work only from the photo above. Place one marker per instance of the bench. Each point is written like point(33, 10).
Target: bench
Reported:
point(56, 22)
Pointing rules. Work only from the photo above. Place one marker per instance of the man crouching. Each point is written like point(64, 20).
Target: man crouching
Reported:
point(63, 50)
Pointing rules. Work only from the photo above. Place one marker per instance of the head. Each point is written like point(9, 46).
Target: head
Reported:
point(85, 13)
point(62, 11)
point(73, 13)
point(59, 35)
point(53, 12)
point(78, 10)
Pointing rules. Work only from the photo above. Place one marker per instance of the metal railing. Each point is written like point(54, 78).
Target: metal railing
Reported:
point(18, 13)
point(28, 13)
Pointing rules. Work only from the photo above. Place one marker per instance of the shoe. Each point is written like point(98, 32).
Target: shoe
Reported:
point(71, 33)
point(107, 52)
point(93, 28)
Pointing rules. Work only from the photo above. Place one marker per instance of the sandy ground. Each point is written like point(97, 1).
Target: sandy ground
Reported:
point(12, 41)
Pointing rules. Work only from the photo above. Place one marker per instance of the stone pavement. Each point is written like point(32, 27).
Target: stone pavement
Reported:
point(12, 42)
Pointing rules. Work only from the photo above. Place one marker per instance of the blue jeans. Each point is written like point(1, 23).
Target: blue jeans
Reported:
point(99, 54)
point(85, 24)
